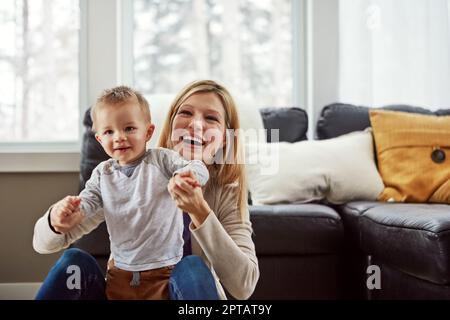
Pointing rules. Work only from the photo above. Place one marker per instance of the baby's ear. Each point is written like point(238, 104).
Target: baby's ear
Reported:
point(150, 131)
point(97, 137)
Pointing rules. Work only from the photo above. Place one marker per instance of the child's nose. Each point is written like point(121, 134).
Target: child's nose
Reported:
point(119, 136)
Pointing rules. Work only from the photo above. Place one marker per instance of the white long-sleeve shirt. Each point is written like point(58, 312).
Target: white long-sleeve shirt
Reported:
point(144, 224)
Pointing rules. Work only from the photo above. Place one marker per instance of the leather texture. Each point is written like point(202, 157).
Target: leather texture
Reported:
point(292, 123)
point(414, 238)
point(295, 277)
point(92, 152)
point(339, 118)
point(296, 229)
point(398, 285)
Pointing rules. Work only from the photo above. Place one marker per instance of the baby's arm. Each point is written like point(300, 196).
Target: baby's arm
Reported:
point(70, 211)
point(171, 163)
point(197, 167)
point(91, 196)
point(64, 223)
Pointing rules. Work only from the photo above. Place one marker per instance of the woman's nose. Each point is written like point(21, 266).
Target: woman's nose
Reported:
point(196, 124)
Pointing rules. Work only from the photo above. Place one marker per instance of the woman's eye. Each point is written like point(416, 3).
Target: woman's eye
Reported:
point(211, 118)
point(185, 112)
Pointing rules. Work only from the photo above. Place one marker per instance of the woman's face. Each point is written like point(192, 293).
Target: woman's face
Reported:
point(198, 129)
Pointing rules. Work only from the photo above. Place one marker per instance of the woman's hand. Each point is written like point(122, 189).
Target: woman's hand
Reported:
point(66, 214)
point(187, 194)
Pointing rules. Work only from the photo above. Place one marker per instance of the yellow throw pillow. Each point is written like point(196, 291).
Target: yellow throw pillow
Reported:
point(413, 153)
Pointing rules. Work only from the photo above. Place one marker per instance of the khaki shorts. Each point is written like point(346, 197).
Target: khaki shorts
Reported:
point(153, 284)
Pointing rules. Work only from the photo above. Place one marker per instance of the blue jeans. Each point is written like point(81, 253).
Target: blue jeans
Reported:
point(190, 279)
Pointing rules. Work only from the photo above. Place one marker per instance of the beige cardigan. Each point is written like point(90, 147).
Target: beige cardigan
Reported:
point(223, 241)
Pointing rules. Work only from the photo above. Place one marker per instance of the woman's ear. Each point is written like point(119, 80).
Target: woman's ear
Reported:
point(149, 133)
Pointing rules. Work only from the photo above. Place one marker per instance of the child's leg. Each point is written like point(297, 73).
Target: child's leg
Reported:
point(75, 276)
point(191, 279)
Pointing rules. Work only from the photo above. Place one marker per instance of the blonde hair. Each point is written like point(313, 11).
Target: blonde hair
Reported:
point(223, 173)
point(119, 96)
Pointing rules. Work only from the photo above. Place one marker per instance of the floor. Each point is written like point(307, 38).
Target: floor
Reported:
point(18, 291)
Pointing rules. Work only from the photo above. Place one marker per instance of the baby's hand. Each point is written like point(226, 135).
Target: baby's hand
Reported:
point(66, 214)
point(189, 178)
point(183, 182)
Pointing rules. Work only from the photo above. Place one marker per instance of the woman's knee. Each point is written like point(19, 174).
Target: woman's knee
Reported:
point(191, 269)
point(78, 269)
point(75, 256)
point(191, 279)
point(192, 263)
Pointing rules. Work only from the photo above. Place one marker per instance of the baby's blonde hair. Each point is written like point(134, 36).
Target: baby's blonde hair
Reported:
point(118, 96)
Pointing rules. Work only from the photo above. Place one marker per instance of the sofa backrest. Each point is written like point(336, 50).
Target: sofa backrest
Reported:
point(92, 152)
point(338, 118)
point(292, 123)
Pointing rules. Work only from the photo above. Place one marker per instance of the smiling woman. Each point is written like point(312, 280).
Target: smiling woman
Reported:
point(203, 112)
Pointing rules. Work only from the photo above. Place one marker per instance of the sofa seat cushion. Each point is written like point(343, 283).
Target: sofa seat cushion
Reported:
point(297, 229)
point(350, 214)
point(415, 238)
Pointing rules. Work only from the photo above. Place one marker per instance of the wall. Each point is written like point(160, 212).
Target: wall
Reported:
point(24, 197)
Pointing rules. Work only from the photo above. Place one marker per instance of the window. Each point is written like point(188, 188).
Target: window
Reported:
point(39, 71)
point(244, 44)
point(394, 52)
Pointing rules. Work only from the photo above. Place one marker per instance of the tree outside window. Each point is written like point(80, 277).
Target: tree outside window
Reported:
point(39, 70)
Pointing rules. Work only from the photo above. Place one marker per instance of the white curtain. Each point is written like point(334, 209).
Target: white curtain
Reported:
point(395, 52)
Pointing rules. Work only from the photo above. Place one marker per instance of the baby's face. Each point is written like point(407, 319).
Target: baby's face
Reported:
point(123, 131)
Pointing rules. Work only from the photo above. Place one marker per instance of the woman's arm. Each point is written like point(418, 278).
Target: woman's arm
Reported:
point(224, 238)
point(227, 243)
point(188, 196)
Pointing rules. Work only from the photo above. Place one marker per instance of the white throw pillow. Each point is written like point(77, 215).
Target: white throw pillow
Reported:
point(339, 170)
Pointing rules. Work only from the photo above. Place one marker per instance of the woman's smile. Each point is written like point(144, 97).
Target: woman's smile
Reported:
point(192, 141)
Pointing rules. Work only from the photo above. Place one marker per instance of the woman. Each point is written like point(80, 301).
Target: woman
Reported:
point(202, 123)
